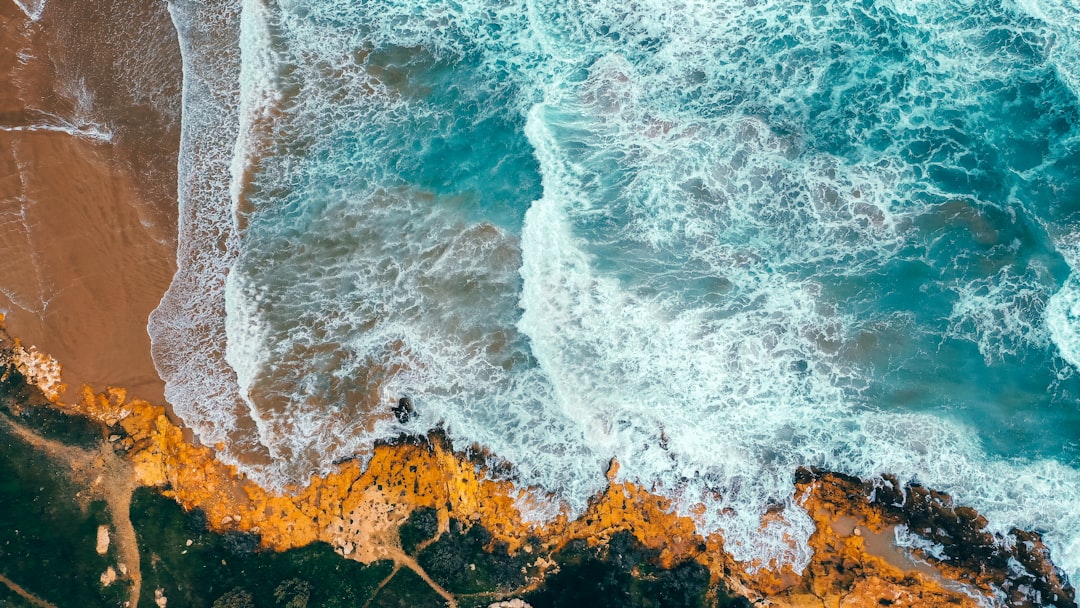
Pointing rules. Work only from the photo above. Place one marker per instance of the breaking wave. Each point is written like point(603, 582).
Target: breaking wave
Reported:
point(713, 240)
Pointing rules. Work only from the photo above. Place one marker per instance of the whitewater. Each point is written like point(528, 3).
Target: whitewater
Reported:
point(713, 240)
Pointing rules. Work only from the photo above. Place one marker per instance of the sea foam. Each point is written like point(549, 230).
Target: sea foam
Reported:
point(1063, 320)
point(714, 242)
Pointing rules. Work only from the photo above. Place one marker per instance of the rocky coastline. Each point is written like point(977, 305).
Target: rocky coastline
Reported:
point(106, 501)
point(424, 511)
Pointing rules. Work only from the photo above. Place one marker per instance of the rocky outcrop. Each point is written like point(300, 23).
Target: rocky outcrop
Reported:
point(1016, 567)
point(418, 490)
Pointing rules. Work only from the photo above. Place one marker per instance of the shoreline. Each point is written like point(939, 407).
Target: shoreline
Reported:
point(364, 513)
point(90, 139)
point(93, 252)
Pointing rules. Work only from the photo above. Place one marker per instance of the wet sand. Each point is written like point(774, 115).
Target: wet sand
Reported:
point(89, 132)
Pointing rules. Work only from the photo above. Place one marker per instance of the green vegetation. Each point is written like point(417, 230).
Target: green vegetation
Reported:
point(422, 525)
point(407, 590)
point(47, 540)
point(47, 545)
point(28, 406)
point(10, 599)
point(466, 561)
point(623, 574)
point(227, 570)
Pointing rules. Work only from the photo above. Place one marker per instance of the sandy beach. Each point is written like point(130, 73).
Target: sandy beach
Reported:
point(89, 132)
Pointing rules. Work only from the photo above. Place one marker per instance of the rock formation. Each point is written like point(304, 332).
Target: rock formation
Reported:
point(360, 510)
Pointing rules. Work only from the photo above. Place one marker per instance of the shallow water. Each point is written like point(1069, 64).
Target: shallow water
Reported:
point(716, 241)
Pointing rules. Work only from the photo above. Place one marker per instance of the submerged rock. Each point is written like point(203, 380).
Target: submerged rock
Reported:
point(403, 411)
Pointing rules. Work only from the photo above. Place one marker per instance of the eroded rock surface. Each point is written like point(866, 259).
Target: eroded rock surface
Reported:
point(431, 509)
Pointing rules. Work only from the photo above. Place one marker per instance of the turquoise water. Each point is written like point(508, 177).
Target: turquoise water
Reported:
point(714, 240)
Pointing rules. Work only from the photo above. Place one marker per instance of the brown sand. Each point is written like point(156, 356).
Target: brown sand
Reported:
point(87, 225)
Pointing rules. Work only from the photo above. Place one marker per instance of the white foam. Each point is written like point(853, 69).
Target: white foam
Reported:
point(260, 94)
point(1060, 17)
point(904, 537)
point(187, 328)
point(691, 375)
point(736, 376)
point(711, 371)
point(1000, 313)
point(80, 124)
point(1063, 320)
point(32, 9)
point(91, 132)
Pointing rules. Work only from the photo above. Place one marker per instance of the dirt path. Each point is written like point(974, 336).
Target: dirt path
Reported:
point(112, 479)
point(23, 593)
point(106, 476)
point(401, 559)
point(385, 581)
point(116, 488)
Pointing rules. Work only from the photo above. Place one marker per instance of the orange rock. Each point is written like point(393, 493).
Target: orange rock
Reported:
point(359, 510)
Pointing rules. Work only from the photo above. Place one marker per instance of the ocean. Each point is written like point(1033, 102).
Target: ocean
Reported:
point(715, 240)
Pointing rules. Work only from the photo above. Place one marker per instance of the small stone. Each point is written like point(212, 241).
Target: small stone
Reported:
point(189, 542)
point(108, 577)
point(102, 540)
point(857, 531)
point(114, 438)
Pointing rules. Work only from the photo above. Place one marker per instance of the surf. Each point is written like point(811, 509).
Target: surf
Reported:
point(714, 242)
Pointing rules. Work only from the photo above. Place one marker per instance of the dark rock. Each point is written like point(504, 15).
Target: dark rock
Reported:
point(403, 411)
point(967, 545)
point(1018, 564)
point(241, 543)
